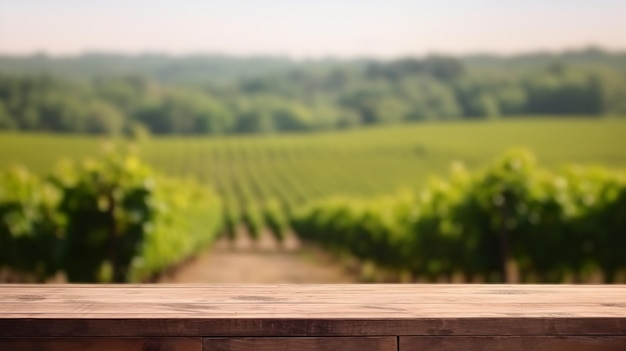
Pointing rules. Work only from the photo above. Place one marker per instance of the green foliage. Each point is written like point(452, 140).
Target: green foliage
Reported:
point(108, 220)
point(187, 218)
point(276, 220)
point(552, 224)
point(52, 104)
point(231, 219)
point(30, 226)
point(253, 219)
point(107, 205)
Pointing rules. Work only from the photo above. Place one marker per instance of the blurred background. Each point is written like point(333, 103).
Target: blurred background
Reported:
point(292, 142)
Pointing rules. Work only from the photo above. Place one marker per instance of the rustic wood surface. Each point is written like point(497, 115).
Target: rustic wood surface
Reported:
point(311, 310)
point(513, 343)
point(302, 344)
point(101, 344)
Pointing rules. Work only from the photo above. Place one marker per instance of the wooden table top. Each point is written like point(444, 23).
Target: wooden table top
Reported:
point(311, 310)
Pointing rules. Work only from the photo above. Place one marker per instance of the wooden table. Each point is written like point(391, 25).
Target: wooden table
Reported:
point(312, 317)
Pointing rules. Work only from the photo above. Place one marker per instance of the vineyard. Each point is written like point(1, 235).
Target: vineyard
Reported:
point(296, 168)
point(111, 220)
point(513, 221)
point(268, 183)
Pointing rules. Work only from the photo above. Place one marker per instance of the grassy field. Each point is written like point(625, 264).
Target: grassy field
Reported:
point(296, 168)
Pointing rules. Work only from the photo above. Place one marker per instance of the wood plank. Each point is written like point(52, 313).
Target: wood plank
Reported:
point(314, 310)
point(302, 344)
point(498, 343)
point(279, 294)
point(350, 300)
point(153, 327)
point(311, 310)
point(101, 344)
point(227, 296)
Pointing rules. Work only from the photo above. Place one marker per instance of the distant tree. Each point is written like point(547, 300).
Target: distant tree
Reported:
point(155, 118)
point(428, 99)
point(293, 117)
point(255, 122)
point(511, 99)
point(103, 118)
point(444, 68)
point(564, 92)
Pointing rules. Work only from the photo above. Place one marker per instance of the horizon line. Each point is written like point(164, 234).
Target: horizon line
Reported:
point(432, 53)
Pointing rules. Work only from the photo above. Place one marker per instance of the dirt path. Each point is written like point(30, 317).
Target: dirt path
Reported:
point(263, 263)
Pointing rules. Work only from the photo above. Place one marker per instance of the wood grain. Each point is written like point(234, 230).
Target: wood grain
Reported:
point(354, 309)
point(311, 310)
point(272, 294)
point(101, 344)
point(302, 344)
point(498, 343)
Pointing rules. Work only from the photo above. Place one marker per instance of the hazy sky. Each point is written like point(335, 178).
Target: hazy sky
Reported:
point(309, 28)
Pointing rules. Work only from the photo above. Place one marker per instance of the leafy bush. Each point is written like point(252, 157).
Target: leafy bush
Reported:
point(551, 224)
point(30, 226)
point(108, 220)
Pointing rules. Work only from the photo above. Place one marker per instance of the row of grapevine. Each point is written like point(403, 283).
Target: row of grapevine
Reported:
point(547, 224)
point(274, 217)
point(263, 179)
point(253, 178)
point(107, 220)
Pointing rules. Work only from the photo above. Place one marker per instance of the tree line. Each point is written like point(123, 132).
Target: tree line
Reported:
point(306, 96)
